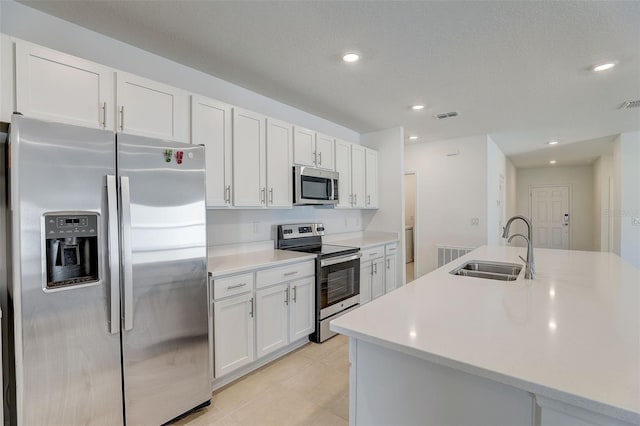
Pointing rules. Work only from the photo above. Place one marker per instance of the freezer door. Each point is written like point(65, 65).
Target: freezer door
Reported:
point(164, 278)
point(67, 345)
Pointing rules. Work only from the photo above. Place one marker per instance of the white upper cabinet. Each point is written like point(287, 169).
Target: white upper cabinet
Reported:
point(358, 176)
point(152, 109)
point(211, 127)
point(371, 172)
point(279, 163)
point(304, 148)
point(343, 167)
point(324, 152)
point(53, 86)
point(249, 188)
point(312, 149)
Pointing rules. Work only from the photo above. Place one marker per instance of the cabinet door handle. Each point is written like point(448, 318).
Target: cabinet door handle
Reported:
point(375, 265)
point(270, 195)
point(373, 254)
point(251, 311)
point(388, 264)
point(104, 114)
point(295, 292)
point(122, 118)
point(227, 194)
point(286, 296)
point(368, 200)
point(315, 157)
point(320, 157)
point(355, 199)
point(351, 199)
point(263, 195)
point(372, 269)
point(290, 273)
point(231, 287)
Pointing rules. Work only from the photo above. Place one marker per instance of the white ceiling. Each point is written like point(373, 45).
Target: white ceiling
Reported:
point(518, 71)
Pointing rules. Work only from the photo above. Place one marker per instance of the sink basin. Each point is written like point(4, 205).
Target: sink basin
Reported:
point(491, 270)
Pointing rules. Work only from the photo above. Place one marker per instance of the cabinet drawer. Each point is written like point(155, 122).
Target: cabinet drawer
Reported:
point(372, 253)
point(391, 248)
point(229, 286)
point(272, 276)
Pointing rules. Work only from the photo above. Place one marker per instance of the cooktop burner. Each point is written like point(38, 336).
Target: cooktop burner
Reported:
point(307, 238)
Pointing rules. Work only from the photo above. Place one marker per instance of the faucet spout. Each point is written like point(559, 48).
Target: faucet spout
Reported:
point(529, 270)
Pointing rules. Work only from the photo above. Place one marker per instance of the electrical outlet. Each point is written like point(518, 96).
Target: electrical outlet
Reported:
point(475, 221)
point(635, 221)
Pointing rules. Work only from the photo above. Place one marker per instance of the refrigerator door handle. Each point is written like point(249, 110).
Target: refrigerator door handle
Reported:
point(114, 258)
point(127, 271)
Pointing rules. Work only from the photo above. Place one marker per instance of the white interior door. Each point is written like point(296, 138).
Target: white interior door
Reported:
point(550, 217)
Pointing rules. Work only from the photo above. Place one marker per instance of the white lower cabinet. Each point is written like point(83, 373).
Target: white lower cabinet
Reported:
point(272, 319)
point(391, 267)
point(250, 324)
point(372, 274)
point(284, 314)
point(302, 309)
point(234, 324)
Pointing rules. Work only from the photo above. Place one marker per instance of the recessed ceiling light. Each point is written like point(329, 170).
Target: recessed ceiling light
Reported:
point(413, 138)
point(604, 67)
point(351, 57)
point(552, 143)
point(417, 107)
point(552, 162)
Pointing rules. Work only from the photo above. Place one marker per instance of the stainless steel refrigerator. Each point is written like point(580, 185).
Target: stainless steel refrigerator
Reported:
point(108, 276)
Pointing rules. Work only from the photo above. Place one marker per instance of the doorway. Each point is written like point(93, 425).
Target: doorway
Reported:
point(411, 224)
point(550, 216)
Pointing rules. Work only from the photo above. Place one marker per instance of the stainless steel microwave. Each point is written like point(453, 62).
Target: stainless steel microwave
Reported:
point(314, 186)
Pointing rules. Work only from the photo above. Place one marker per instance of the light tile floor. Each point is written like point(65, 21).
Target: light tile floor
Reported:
point(309, 386)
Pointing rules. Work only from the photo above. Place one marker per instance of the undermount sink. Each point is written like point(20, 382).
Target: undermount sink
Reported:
point(490, 270)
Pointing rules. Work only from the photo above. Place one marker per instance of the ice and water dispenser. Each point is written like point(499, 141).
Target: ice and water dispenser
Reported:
point(71, 249)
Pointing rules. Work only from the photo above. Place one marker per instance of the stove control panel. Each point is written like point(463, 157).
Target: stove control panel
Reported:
point(300, 230)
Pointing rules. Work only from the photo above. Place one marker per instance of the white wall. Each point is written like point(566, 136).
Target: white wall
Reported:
point(451, 191)
point(496, 193)
point(580, 181)
point(512, 189)
point(28, 24)
point(602, 173)
point(390, 216)
point(626, 161)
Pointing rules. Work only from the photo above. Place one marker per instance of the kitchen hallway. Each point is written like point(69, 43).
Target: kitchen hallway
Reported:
point(309, 386)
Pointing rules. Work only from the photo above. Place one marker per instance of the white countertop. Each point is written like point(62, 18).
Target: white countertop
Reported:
point(367, 240)
point(234, 263)
point(571, 334)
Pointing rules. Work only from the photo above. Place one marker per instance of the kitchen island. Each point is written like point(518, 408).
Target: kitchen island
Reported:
point(563, 348)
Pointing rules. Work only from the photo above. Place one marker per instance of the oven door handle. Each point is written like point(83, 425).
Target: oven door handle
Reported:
point(341, 259)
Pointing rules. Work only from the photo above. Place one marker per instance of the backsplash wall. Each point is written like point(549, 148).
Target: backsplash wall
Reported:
point(246, 226)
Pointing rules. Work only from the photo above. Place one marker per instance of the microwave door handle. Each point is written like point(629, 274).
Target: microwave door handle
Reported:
point(330, 183)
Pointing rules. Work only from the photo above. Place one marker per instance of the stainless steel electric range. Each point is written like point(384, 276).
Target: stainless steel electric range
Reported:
point(337, 273)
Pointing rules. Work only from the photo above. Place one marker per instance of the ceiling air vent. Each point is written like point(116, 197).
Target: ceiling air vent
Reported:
point(630, 104)
point(446, 115)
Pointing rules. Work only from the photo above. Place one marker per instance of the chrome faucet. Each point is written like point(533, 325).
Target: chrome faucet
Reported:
point(529, 269)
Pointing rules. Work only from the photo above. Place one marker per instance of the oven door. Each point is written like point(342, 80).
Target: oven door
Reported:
point(338, 284)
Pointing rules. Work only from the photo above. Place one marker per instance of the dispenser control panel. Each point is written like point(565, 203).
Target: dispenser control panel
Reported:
point(71, 226)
